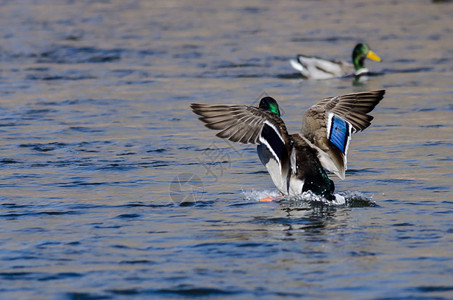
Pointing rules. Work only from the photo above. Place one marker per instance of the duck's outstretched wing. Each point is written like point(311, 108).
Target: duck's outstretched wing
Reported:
point(242, 123)
point(328, 126)
point(253, 125)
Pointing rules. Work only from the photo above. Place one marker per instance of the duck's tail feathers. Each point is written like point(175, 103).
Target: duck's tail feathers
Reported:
point(296, 65)
point(299, 67)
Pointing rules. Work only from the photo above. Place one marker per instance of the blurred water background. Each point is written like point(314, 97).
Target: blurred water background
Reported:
point(111, 188)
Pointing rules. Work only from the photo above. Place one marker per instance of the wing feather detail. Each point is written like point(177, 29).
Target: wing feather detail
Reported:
point(351, 108)
point(240, 123)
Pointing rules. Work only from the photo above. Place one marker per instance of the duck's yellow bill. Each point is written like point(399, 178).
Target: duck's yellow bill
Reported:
point(371, 55)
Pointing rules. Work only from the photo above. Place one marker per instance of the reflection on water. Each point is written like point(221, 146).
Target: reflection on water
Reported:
point(112, 188)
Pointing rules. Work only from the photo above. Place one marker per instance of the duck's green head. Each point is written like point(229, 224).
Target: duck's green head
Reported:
point(360, 52)
point(269, 104)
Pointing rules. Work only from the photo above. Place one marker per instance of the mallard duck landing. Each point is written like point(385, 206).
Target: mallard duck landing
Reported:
point(312, 67)
point(296, 162)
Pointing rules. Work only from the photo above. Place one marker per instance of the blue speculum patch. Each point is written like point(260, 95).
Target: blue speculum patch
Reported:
point(339, 132)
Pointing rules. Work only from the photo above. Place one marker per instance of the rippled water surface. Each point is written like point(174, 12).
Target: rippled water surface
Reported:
point(111, 188)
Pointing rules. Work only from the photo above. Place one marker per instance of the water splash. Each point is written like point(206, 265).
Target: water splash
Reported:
point(255, 195)
point(308, 199)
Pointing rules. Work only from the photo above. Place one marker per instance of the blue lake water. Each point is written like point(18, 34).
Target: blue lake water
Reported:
point(111, 188)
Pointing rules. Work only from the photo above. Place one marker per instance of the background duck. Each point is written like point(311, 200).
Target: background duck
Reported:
point(312, 67)
point(296, 162)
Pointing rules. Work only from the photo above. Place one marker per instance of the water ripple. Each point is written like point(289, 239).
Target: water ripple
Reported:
point(77, 55)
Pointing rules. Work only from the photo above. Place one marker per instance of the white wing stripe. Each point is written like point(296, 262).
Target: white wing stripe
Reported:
point(277, 159)
point(275, 129)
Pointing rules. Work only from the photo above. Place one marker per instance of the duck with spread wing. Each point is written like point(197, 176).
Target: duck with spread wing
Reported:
point(296, 162)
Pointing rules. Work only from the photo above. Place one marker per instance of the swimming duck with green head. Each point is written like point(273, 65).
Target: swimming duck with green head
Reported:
point(313, 67)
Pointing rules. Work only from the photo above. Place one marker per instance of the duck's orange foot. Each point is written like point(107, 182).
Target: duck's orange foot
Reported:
point(267, 199)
